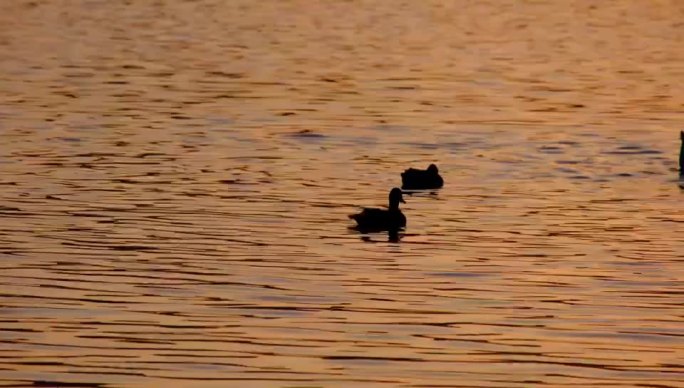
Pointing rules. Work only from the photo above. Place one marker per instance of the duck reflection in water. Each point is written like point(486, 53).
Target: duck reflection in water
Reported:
point(393, 236)
point(377, 220)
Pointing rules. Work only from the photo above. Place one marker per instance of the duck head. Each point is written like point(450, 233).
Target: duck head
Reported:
point(395, 196)
point(432, 169)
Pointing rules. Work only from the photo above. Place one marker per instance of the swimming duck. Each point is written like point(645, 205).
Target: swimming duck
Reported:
point(414, 179)
point(681, 156)
point(374, 219)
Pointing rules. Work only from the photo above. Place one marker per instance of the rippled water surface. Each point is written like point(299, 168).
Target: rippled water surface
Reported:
point(175, 180)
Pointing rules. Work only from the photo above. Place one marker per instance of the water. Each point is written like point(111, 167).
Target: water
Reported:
point(176, 178)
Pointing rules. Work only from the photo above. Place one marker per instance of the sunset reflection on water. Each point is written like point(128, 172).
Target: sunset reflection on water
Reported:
point(176, 179)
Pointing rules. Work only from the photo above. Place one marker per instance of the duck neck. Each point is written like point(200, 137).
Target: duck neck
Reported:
point(394, 205)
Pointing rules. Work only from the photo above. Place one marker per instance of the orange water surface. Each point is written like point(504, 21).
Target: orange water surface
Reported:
point(176, 175)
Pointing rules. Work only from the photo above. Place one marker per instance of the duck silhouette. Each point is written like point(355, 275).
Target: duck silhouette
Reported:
point(375, 219)
point(681, 156)
point(415, 179)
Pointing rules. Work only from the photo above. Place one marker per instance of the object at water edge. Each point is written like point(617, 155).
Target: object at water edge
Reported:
point(681, 155)
point(415, 179)
point(374, 219)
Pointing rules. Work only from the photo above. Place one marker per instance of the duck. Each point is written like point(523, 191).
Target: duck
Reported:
point(375, 219)
point(681, 156)
point(415, 179)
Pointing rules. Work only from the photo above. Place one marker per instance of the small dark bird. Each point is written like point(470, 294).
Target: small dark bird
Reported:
point(414, 179)
point(374, 219)
point(681, 155)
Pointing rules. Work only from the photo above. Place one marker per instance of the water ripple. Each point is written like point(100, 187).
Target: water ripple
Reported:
point(176, 180)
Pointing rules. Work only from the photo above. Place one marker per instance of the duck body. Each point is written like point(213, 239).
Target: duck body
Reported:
point(415, 179)
point(379, 219)
point(376, 219)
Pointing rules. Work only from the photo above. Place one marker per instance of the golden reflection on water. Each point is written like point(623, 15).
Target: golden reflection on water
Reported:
point(176, 177)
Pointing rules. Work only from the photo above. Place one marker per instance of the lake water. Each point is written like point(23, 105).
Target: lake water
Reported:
point(175, 180)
